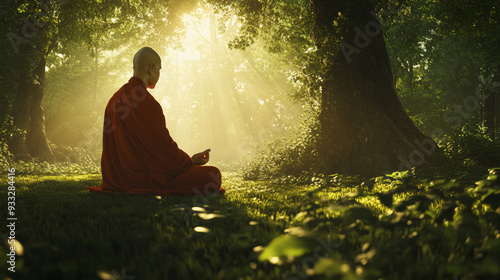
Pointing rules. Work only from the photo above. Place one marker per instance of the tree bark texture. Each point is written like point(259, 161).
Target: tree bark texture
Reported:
point(364, 128)
point(27, 112)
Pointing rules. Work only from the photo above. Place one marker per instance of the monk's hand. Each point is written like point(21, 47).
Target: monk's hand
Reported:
point(201, 158)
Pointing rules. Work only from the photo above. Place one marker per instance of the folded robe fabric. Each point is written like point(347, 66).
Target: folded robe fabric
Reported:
point(139, 156)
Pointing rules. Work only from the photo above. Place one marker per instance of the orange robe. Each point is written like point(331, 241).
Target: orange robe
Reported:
point(140, 157)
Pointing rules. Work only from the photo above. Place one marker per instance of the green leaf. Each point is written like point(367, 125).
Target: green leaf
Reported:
point(287, 246)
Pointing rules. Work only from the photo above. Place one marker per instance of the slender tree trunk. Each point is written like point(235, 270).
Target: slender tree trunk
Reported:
point(27, 113)
point(364, 128)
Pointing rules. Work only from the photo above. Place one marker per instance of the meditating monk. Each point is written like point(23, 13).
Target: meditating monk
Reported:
point(138, 155)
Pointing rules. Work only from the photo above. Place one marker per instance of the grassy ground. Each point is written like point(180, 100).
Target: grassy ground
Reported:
point(311, 227)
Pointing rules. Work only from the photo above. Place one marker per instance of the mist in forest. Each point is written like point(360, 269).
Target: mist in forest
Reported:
point(229, 100)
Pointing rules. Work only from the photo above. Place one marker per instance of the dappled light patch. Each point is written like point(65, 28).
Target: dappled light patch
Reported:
point(18, 247)
point(202, 229)
point(209, 216)
point(106, 275)
point(198, 209)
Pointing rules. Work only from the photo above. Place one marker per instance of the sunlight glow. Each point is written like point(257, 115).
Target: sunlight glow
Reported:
point(212, 97)
point(226, 100)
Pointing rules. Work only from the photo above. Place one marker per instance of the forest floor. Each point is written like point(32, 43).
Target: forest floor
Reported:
point(336, 227)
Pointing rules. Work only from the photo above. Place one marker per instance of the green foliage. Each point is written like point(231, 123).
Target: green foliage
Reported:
point(59, 168)
point(286, 156)
point(435, 229)
point(468, 149)
point(286, 246)
point(471, 147)
point(71, 160)
point(7, 130)
point(443, 54)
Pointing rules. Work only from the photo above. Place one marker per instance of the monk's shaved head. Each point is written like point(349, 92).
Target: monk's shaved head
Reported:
point(145, 57)
point(147, 65)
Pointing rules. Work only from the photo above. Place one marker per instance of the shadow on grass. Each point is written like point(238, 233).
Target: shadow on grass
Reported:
point(69, 233)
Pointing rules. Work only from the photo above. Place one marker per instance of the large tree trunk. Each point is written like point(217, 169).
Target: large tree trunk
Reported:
point(27, 113)
point(364, 128)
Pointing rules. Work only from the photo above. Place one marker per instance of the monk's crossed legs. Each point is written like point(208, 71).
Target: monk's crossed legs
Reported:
point(198, 179)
